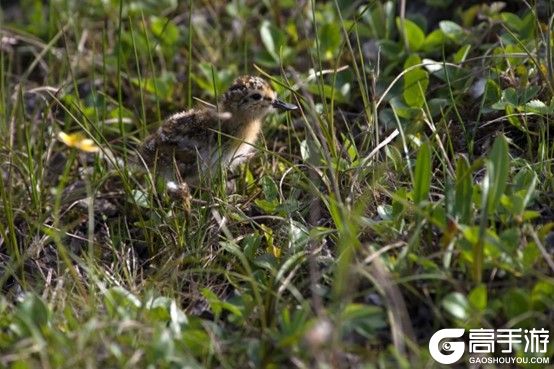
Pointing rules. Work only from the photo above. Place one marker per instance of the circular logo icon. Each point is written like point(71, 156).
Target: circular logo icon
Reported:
point(455, 349)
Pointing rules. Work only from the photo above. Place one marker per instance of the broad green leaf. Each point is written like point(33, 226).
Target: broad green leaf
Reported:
point(422, 178)
point(158, 308)
point(508, 98)
point(32, 315)
point(272, 38)
point(164, 29)
point(542, 295)
point(251, 244)
point(538, 107)
point(197, 341)
point(140, 198)
point(305, 151)
point(298, 235)
point(269, 207)
point(492, 93)
point(478, 297)
point(416, 82)
point(122, 302)
point(390, 49)
point(329, 92)
point(329, 40)
point(436, 105)
point(452, 30)
point(456, 305)
point(411, 31)
point(530, 215)
point(471, 234)
point(522, 191)
point(530, 255)
point(512, 21)
point(269, 188)
point(434, 40)
point(161, 86)
point(498, 168)
point(364, 319)
point(213, 80)
point(516, 303)
point(527, 94)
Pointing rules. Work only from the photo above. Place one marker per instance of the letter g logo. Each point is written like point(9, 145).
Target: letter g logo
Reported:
point(457, 348)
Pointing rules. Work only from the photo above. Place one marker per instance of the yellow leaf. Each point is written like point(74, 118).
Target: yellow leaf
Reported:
point(274, 250)
point(78, 141)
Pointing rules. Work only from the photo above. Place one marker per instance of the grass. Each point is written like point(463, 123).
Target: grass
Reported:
point(411, 192)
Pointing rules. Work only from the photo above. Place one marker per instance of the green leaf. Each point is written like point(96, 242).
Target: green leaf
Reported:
point(161, 86)
point(119, 300)
point(269, 207)
point(526, 179)
point(416, 82)
point(437, 104)
point(165, 30)
point(272, 38)
point(158, 308)
point(456, 305)
point(538, 107)
point(364, 319)
point(329, 92)
point(31, 316)
point(516, 302)
point(329, 40)
point(461, 54)
point(213, 300)
point(452, 30)
point(498, 168)
point(213, 80)
point(269, 188)
point(471, 234)
point(513, 118)
point(434, 40)
point(492, 93)
point(478, 297)
point(305, 152)
point(508, 98)
point(527, 94)
point(542, 295)
point(298, 236)
point(217, 305)
point(464, 190)
point(422, 178)
point(512, 21)
point(411, 31)
point(392, 50)
point(531, 254)
point(140, 198)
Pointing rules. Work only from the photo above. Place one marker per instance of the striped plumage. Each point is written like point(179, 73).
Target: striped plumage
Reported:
point(190, 144)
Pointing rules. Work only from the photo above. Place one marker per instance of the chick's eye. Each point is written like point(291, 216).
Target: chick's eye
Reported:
point(256, 96)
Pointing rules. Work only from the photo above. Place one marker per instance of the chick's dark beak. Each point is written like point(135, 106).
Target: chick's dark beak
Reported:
point(283, 105)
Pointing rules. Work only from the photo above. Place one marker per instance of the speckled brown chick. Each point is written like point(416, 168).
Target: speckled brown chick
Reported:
point(190, 144)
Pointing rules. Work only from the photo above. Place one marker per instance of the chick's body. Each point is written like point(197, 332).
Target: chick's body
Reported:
point(190, 144)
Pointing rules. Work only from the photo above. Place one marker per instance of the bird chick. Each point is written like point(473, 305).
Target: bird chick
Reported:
point(191, 144)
